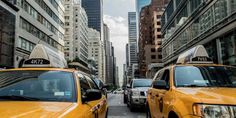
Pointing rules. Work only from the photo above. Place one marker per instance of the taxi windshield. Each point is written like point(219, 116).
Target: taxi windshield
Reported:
point(37, 86)
point(205, 76)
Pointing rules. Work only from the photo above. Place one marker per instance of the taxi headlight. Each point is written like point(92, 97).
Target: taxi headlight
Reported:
point(214, 111)
point(135, 93)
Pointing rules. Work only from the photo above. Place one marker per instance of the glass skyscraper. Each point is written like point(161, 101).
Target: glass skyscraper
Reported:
point(94, 12)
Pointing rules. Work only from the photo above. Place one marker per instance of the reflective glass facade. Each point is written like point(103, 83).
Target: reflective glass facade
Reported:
point(94, 11)
point(7, 38)
point(196, 25)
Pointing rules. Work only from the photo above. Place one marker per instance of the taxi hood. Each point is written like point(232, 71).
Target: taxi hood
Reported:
point(33, 109)
point(211, 95)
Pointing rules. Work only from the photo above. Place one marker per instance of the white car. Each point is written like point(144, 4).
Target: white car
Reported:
point(118, 91)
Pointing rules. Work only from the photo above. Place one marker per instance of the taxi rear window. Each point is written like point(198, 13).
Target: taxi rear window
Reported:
point(37, 85)
point(205, 76)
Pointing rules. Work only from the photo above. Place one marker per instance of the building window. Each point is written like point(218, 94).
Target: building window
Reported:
point(158, 23)
point(158, 16)
point(25, 44)
point(153, 56)
point(158, 29)
point(228, 48)
point(153, 50)
point(159, 56)
point(158, 36)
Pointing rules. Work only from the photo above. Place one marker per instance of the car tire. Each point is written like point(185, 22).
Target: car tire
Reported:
point(107, 113)
point(173, 115)
point(131, 107)
point(148, 113)
point(125, 99)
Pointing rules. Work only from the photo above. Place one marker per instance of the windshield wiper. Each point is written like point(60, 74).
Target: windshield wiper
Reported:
point(16, 97)
point(193, 85)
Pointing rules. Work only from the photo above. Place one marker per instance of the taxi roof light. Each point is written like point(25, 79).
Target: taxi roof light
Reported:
point(197, 54)
point(43, 56)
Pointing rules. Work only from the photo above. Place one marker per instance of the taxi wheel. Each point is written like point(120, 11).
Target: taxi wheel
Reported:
point(107, 113)
point(131, 107)
point(173, 115)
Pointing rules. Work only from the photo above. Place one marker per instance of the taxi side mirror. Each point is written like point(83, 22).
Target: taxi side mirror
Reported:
point(159, 84)
point(92, 95)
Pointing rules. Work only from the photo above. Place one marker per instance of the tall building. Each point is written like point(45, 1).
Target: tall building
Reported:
point(209, 23)
point(95, 51)
point(132, 39)
point(117, 77)
point(108, 55)
point(139, 5)
point(150, 52)
point(76, 32)
point(7, 33)
point(49, 17)
point(94, 10)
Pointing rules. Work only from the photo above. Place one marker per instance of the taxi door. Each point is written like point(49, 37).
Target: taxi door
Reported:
point(163, 96)
point(90, 109)
point(154, 107)
point(100, 105)
point(151, 96)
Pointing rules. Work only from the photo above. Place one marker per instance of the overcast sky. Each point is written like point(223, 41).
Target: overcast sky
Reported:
point(116, 17)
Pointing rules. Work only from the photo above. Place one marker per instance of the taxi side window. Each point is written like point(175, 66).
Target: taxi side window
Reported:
point(166, 77)
point(159, 74)
point(84, 85)
point(92, 83)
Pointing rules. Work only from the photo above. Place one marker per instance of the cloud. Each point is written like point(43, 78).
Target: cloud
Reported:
point(119, 37)
point(116, 25)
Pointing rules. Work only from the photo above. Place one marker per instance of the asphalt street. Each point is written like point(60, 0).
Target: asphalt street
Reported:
point(117, 109)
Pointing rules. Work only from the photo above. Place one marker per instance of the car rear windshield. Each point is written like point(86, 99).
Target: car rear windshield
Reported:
point(142, 83)
point(37, 85)
point(205, 76)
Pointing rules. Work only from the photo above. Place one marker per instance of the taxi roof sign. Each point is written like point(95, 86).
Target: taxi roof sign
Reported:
point(197, 54)
point(43, 56)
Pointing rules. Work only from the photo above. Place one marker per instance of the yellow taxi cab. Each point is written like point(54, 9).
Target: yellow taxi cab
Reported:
point(193, 88)
point(42, 88)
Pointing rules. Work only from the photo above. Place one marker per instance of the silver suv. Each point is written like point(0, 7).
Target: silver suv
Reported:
point(137, 93)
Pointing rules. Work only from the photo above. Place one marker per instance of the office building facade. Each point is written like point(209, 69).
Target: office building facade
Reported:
point(211, 23)
point(95, 51)
point(94, 10)
point(8, 14)
point(150, 52)
point(132, 33)
point(49, 17)
point(76, 32)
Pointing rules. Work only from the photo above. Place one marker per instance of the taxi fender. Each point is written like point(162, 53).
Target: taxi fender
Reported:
point(178, 106)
